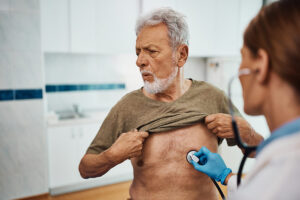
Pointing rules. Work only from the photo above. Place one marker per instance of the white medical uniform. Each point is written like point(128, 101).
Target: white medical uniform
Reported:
point(276, 174)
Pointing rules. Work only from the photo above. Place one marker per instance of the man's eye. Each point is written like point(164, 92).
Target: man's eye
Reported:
point(152, 51)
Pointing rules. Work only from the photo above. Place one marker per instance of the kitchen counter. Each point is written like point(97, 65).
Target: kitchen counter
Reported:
point(89, 117)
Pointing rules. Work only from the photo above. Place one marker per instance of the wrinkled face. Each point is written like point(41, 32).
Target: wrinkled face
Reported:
point(155, 57)
point(251, 90)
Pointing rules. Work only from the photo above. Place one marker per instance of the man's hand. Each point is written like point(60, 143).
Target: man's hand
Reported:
point(220, 124)
point(128, 145)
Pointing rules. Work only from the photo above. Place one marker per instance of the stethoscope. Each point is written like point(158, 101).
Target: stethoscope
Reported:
point(247, 149)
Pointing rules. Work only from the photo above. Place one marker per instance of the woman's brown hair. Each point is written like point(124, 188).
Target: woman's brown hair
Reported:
point(276, 29)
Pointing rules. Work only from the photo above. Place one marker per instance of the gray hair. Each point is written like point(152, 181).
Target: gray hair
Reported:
point(178, 30)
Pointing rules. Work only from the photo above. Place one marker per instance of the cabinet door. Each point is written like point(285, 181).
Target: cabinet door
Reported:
point(55, 25)
point(148, 6)
point(201, 19)
point(62, 145)
point(225, 36)
point(248, 9)
point(115, 26)
point(83, 26)
point(86, 134)
point(121, 172)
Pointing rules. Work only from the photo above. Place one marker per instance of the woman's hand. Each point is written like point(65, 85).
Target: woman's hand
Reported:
point(212, 164)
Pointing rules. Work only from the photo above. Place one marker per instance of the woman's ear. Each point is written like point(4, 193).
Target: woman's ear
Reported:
point(262, 66)
point(182, 52)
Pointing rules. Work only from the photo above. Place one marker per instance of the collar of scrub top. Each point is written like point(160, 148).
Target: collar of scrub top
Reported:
point(287, 129)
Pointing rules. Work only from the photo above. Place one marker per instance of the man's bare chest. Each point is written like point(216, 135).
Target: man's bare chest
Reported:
point(172, 146)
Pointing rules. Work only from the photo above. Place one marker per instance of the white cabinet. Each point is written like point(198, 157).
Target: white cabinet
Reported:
point(115, 27)
point(108, 27)
point(215, 25)
point(226, 24)
point(248, 9)
point(66, 146)
point(83, 26)
point(201, 17)
point(68, 25)
point(89, 26)
point(55, 25)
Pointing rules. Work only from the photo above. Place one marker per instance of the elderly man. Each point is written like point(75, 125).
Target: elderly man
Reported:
point(158, 124)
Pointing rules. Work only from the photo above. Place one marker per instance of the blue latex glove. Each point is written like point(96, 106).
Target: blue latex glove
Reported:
point(211, 164)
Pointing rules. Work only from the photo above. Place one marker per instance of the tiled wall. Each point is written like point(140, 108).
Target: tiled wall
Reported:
point(90, 81)
point(23, 166)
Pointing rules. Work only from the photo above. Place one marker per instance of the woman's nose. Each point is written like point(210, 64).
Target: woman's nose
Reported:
point(141, 60)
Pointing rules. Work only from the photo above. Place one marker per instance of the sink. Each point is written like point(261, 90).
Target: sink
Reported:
point(75, 113)
point(71, 115)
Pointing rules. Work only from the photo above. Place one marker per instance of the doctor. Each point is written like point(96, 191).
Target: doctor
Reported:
point(271, 51)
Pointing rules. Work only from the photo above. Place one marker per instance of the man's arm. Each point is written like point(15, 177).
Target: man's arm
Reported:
point(128, 145)
point(220, 124)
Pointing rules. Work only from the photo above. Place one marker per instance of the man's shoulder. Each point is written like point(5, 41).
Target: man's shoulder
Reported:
point(129, 99)
point(132, 95)
point(207, 88)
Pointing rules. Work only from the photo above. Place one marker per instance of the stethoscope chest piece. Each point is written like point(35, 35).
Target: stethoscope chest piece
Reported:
point(190, 156)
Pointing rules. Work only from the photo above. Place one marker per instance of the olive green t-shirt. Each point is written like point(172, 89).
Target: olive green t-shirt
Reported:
point(136, 111)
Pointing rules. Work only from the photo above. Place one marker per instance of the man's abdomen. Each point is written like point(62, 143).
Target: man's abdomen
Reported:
point(162, 172)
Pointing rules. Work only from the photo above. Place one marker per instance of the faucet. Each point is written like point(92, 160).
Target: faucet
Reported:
point(77, 110)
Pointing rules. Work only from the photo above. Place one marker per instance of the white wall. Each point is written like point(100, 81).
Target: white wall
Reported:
point(23, 156)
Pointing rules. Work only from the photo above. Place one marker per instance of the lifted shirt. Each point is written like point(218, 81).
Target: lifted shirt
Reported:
point(136, 111)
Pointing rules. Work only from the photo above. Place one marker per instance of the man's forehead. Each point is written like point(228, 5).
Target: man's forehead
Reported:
point(153, 35)
point(148, 45)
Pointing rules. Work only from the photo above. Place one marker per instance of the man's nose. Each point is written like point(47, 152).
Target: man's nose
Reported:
point(141, 60)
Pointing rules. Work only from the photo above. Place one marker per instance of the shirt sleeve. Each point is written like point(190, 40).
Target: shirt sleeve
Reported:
point(107, 134)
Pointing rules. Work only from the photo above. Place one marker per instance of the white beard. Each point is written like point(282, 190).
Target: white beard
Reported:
point(159, 85)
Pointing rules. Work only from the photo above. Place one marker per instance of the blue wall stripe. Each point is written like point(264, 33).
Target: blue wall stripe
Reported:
point(20, 94)
point(84, 87)
point(6, 95)
point(29, 94)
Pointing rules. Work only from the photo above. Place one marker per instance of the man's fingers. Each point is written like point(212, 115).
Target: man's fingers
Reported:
point(210, 118)
point(225, 135)
point(215, 130)
point(211, 125)
point(144, 134)
point(221, 129)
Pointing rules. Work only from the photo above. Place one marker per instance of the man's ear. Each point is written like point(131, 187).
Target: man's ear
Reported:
point(182, 54)
point(262, 66)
